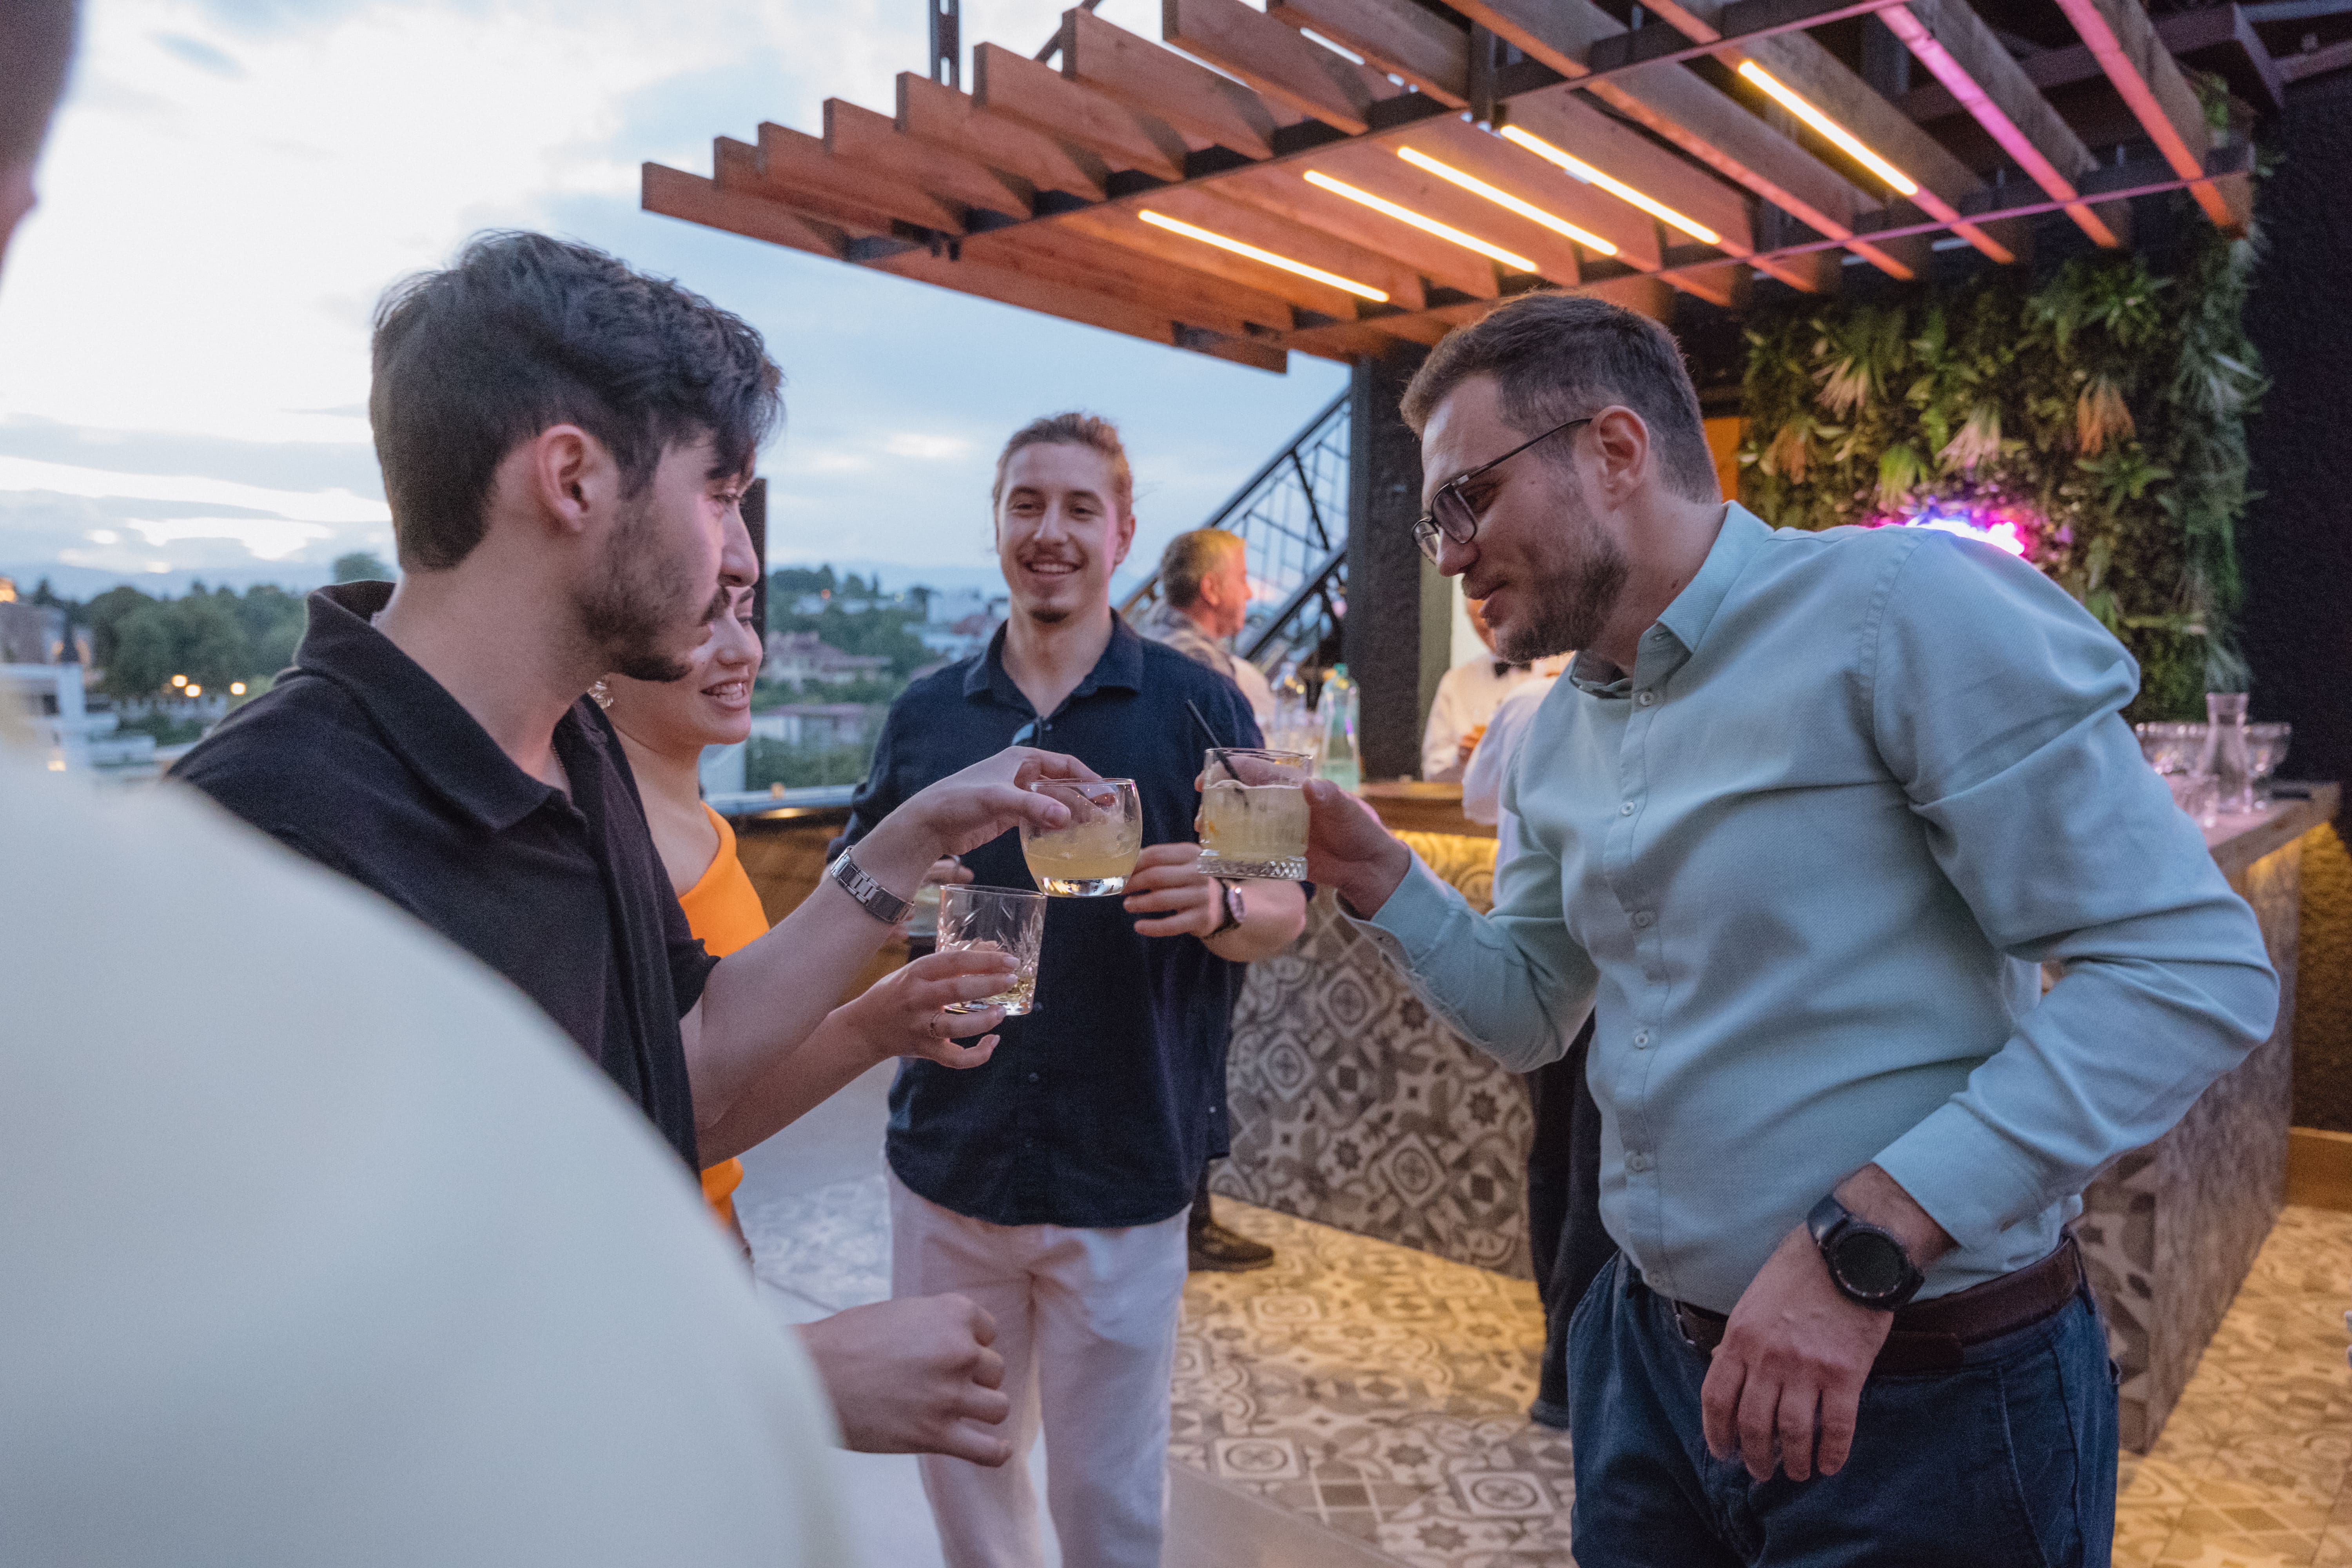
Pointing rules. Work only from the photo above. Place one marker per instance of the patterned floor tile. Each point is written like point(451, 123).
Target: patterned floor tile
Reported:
point(1381, 1392)
point(830, 1245)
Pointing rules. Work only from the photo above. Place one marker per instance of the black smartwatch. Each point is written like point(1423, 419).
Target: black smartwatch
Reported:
point(1867, 1264)
point(1234, 908)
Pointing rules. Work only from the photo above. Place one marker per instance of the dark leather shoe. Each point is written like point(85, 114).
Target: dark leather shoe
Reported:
point(1217, 1251)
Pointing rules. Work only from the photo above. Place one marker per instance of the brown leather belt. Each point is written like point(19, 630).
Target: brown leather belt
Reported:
point(1931, 1336)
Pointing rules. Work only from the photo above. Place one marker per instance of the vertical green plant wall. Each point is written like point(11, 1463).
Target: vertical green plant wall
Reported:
point(2101, 416)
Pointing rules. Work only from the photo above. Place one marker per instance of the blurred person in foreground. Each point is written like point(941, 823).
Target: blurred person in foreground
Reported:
point(1204, 601)
point(279, 1323)
point(1051, 1186)
point(564, 443)
point(665, 726)
point(1467, 696)
point(1804, 825)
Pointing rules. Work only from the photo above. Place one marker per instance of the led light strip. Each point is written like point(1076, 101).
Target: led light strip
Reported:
point(1516, 263)
point(1174, 226)
point(1829, 128)
point(1478, 187)
point(1618, 188)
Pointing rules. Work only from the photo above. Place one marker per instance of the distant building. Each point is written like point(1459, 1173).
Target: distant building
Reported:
point(962, 639)
point(813, 723)
point(35, 634)
point(945, 609)
point(804, 659)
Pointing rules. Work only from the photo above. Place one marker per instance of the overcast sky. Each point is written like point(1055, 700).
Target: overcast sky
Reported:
point(231, 183)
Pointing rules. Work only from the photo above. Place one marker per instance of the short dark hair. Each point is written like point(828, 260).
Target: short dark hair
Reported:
point(523, 331)
point(1072, 429)
point(37, 41)
point(1192, 555)
point(1555, 356)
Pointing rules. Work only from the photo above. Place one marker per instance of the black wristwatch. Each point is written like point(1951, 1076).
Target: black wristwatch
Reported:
point(1234, 908)
point(1867, 1264)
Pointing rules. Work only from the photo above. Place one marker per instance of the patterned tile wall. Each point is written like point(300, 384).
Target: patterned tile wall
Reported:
point(1353, 1107)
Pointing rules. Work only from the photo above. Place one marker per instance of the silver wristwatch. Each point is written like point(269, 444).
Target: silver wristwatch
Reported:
point(872, 897)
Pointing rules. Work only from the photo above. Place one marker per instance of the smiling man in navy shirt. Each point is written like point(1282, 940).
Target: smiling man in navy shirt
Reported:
point(1051, 1184)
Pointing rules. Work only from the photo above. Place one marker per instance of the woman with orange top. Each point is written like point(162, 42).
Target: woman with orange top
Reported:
point(664, 727)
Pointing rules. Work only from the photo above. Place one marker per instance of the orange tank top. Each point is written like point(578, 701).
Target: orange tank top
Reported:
point(723, 908)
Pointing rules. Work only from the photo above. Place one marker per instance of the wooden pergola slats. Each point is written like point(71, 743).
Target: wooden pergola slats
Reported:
point(1152, 80)
point(1397, 36)
point(1161, 189)
point(1284, 68)
point(1960, 52)
point(2128, 48)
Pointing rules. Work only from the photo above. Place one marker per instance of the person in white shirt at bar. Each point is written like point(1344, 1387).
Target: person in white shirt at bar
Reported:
point(1808, 819)
point(1467, 696)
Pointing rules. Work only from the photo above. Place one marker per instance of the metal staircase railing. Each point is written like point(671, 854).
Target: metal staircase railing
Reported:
point(1292, 517)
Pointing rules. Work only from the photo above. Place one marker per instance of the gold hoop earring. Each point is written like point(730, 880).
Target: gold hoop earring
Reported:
point(600, 694)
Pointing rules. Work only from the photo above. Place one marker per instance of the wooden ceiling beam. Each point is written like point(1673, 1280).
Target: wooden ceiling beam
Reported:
point(1120, 271)
point(1025, 290)
point(1680, 109)
point(1252, 225)
point(1799, 62)
point(1012, 87)
point(1139, 73)
point(1115, 225)
point(873, 142)
point(1396, 36)
point(1378, 171)
point(1961, 52)
point(1522, 173)
point(2135, 60)
point(1560, 116)
point(673, 193)
point(938, 116)
point(1282, 193)
point(793, 162)
point(1276, 60)
point(735, 167)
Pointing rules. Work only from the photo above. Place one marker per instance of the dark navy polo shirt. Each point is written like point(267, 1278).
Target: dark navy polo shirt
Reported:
point(1099, 1109)
point(361, 761)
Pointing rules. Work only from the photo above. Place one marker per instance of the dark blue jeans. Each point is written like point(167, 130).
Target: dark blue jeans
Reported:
point(2008, 1459)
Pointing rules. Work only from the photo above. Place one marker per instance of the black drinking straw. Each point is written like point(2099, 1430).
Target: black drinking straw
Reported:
point(1193, 708)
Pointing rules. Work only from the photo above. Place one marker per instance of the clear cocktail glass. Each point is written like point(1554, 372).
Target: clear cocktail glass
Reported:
point(1001, 919)
point(1253, 813)
point(1093, 856)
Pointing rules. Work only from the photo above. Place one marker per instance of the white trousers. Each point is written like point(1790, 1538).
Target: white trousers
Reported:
point(1085, 1320)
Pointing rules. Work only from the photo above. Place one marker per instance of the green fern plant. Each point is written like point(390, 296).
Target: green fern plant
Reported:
point(2110, 402)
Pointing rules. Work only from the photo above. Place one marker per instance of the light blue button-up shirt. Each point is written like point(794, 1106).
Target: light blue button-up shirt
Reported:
point(1806, 861)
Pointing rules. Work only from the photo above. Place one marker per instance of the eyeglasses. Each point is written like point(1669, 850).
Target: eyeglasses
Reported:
point(1450, 512)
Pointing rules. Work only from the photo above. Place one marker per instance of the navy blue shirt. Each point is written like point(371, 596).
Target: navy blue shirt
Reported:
point(1099, 1109)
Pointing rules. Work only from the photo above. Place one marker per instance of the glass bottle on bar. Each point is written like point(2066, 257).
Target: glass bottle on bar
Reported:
point(1342, 764)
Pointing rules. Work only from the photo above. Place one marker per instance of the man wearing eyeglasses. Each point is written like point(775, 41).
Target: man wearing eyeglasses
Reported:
point(1816, 811)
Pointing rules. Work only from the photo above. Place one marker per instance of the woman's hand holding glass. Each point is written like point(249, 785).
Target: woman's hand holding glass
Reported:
point(902, 1013)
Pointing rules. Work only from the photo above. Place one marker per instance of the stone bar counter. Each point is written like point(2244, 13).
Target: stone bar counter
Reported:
point(1352, 1106)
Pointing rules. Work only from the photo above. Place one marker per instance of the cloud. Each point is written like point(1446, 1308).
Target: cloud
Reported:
point(928, 448)
point(199, 54)
point(188, 312)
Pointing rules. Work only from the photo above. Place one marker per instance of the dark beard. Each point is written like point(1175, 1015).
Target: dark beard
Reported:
point(1582, 579)
point(629, 618)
